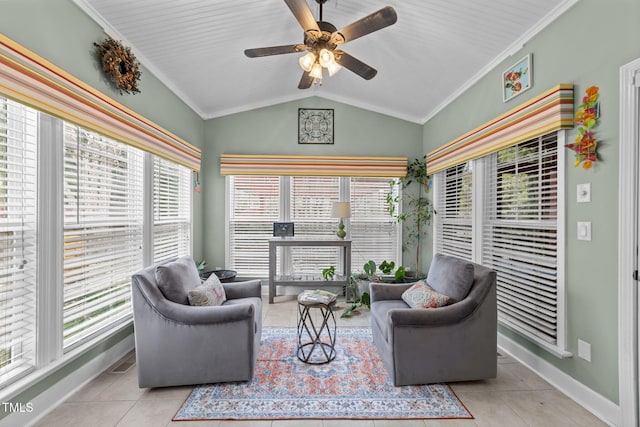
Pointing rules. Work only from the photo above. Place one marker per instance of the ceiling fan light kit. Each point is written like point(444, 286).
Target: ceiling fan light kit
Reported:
point(321, 40)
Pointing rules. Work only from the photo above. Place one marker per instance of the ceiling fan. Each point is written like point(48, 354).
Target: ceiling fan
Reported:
point(321, 40)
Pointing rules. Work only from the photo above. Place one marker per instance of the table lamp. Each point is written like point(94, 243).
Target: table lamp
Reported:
point(341, 210)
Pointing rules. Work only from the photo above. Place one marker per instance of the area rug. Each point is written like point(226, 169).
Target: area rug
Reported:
point(354, 385)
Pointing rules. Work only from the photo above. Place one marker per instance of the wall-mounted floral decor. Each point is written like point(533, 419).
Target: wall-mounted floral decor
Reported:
point(119, 64)
point(585, 146)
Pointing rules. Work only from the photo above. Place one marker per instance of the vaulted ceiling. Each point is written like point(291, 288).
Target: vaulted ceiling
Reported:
point(436, 49)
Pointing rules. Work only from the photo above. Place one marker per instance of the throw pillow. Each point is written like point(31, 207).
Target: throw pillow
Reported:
point(175, 279)
point(450, 276)
point(211, 292)
point(420, 295)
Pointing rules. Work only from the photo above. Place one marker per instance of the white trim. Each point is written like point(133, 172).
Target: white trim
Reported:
point(595, 403)
point(627, 245)
point(561, 291)
point(49, 330)
point(148, 195)
point(46, 401)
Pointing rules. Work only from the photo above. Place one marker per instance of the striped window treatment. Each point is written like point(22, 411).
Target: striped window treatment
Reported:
point(546, 113)
point(28, 78)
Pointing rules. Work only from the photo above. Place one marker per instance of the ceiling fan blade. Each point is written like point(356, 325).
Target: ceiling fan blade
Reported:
point(355, 65)
point(370, 23)
point(306, 81)
point(303, 14)
point(274, 50)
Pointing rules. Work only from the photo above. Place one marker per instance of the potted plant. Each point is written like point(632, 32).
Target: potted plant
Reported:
point(417, 208)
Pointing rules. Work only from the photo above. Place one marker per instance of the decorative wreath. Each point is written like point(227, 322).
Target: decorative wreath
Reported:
point(119, 64)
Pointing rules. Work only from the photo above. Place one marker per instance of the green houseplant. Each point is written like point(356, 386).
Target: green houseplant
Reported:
point(417, 209)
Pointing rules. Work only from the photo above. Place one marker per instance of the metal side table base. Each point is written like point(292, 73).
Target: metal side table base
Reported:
point(316, 346)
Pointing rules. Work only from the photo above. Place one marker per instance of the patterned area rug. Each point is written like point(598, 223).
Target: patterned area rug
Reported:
point(353, 386)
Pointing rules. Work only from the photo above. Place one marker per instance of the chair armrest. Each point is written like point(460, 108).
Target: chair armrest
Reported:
point(209, 315)
point(453, 313)
point(236, 290)
point(385, 291)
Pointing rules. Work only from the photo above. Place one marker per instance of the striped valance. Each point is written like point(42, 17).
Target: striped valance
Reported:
point(239, 164)
point(34, 81)
point(551, 111)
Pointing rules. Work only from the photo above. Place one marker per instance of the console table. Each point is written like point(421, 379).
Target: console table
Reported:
point(339, 280)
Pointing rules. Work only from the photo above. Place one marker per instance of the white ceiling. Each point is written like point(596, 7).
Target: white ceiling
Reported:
point(434, 52)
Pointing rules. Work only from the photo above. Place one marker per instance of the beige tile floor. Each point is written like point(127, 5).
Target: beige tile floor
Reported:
point(517, 397)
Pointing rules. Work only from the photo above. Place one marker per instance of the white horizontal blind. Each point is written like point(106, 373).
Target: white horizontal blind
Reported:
point(254, 205)
point(103, 216)
point(454, 212)
point(520, 235)
point(311, 201)
point(18, 165)
point(171, 210)
point(374, 233)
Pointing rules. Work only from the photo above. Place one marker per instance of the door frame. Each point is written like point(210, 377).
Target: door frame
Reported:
point(628, 236)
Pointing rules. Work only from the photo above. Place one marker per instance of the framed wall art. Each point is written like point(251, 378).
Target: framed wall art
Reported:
point(315, 126)
point(517, 79)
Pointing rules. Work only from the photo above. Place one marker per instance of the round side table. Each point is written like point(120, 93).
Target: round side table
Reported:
point(316, 345)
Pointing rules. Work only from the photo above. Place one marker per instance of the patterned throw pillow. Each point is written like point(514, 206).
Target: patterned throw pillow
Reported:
point(210, 292)
point(421, 295)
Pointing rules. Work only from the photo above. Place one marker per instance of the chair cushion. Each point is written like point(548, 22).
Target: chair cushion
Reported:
point(211, 292)
point(175, 279)
point(420, 295)
point(380, 314)
point(450, 276)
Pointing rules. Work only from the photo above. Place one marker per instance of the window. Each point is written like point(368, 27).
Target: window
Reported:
point(103, 223)
point(254, 205)
point(311, 199)
point(171, 210)
point(517, 234)
point(374, 236)
point(255, 202)
point(18, 210)
point(520, 235)
point(453, 219)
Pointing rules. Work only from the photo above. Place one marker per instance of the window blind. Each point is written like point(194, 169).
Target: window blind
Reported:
point(254, 205)
point(454, 212)
point(103, 216)
point(18, 220)
point(171, 210)
point(520, 235)
point(311, 201)
point(374, 234)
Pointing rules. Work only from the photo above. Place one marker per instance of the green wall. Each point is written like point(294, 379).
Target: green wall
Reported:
point(585, 46)
point(274, 130)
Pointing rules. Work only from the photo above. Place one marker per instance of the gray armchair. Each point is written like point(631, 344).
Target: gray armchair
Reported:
point(179, 344)
point(446, 344)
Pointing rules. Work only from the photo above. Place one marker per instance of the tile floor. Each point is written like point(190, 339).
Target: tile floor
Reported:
point(517, 397)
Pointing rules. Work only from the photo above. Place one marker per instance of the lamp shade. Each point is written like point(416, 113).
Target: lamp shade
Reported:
point(341, 210)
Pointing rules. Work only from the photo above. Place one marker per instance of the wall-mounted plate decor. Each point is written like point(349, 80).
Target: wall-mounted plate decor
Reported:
point(517, 79)
point(315, 126)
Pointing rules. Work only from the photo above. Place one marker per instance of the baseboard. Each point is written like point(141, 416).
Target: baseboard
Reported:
point(46, 401)
point(595, 403)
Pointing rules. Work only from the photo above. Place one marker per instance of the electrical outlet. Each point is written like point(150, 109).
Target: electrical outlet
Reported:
point(584, 230)
point(584, 350)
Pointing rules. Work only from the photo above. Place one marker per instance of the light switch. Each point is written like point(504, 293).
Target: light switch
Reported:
point(583, 193)
point(584, 230)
